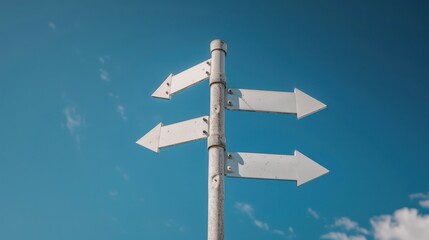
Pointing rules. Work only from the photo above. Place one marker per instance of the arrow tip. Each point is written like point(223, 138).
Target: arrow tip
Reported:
point(306, 105)
point(307, 169)
point(151, 139)
point(163, 91)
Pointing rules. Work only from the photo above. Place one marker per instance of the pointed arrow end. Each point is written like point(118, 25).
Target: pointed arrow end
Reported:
point(163, 91)
point(306, 105)
point(307, 169)
point(151, 139)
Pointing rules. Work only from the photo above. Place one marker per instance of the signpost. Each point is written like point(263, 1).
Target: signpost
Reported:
point(297, 168)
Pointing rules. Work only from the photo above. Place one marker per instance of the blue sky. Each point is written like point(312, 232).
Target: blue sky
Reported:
point(75, 85)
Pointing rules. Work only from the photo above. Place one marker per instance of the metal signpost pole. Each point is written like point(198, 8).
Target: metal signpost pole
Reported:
point(297, 167)
point(216, 141)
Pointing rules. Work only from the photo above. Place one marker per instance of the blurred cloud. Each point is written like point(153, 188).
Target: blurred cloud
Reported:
point(73, 121)
point(121, 110)
point(313, 213)
point(52, 25)
point(341, 236)
point(104, 75)
point(423, 199)
point(349, 225)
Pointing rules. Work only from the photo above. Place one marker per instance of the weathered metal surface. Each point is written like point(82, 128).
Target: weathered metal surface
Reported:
point(176, 83)
point(170, 135)
point(297, 168)
point(297, 102)
point(216, 143)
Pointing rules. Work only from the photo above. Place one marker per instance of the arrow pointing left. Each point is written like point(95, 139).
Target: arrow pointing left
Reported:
point(185, 79)
point(170, 135)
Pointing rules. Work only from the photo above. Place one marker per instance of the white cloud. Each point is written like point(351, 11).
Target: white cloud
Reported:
point(424, 199)
point(313, 213)
point(121, 110)
point(104, 75)
point(349, 225)
point(424, 203)
point(122, 173)
point(404, 224)
point(248, 210)
point(173, 225)
point(52, 25)
point(419, 196)
point(104, 59)
point(73, 121)
point(342, 236)
point(261, 225)
point(279, 232)
point(113, 194)
point(245, 208)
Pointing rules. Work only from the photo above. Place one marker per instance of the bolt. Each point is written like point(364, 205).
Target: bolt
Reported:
point(230, 91)
point(207, 72)
point(229, 155)
point(168, 84)
point(229, 168)
point(208, 62)
point(205, 119)
point(229, 103)
point(204, 131)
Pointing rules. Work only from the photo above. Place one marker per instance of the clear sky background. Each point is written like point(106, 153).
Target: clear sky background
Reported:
point(75, 85)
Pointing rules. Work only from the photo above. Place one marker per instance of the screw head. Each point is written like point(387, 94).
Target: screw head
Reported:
point(229, 168)
point(230, 91)
point(229, 103)
point(229, 155)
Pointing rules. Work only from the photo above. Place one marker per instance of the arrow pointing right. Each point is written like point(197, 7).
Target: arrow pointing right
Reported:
point(297, 168)
point(298, 102)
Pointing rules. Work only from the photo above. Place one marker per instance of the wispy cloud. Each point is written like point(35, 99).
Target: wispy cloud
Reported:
point(313, 213)
point(104, 75)
point(104, 59)
point(113, 194)
point(349, 225)
point(173, 225)
point(341, 236)
point(121, 110)
point(73, 121)
point(123, 174)
point(52, 25)
point(248, 210)
point(423, 199)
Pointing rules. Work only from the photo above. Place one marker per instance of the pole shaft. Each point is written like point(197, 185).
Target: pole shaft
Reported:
point(216, 141)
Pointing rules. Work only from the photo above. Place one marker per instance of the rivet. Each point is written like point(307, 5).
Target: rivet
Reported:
point(168, 84)
point(208, 62)
point(166, 92)
point(229, 168)
point(204, 131)
point(230, 91)
point(229, 103)
point(229, 155)
point(207, 72)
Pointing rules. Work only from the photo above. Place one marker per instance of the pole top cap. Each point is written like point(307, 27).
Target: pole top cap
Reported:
point(218, 45)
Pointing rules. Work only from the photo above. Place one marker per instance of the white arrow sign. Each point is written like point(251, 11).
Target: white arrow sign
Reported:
point(297, 102)
point(170, 135)
point(176, 83)
point(297, 168)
